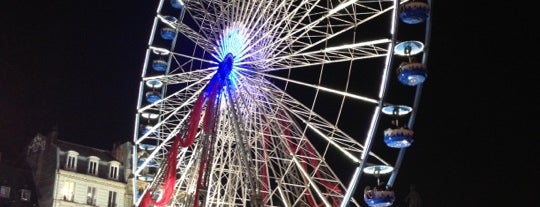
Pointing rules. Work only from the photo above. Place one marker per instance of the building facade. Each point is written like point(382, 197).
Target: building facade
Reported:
point(68, 174)
point(16, 187)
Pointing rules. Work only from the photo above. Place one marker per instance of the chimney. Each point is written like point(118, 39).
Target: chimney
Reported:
point(54, 133)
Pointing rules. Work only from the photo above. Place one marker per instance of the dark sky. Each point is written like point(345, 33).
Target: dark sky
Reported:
point(71, 64)
point(77, 65)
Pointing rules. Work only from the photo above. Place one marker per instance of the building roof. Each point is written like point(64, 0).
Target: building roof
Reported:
point(85, 151)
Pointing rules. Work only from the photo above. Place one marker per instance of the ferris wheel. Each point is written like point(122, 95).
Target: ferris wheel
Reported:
point(277, 103)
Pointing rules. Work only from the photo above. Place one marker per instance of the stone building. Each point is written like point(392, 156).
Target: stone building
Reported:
point(68, 174)
point(16, 186)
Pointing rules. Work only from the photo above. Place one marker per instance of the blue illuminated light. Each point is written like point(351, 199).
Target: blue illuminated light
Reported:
point(414, 12)
point(159, 65)
point(412, 74)
point(149, 164)
point(398, 141)
point(146, 129)
point(412, 77)
point(380, 196)
point(168, 33)
point(225, 67)
point(399, 137)
point(232, 42)
point(231, 47)
point(152, 96)
point(178, 4)
point(223, 72)
point(380, 201)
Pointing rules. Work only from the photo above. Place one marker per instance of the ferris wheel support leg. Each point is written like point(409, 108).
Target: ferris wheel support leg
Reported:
point(242, 141)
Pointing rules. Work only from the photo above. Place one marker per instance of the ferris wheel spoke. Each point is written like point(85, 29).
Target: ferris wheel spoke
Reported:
point(189, 33)
point(191, 57)
point(211, 16)
point(166, 129)
point(322, 175)
point(249, 15)
point(158, 157)
point(199, 12)
point(322, 88)
point(186, 167)
point(246, 18)
point(274, 128)
point(185, 77)
point(275, 26)
point(332, 134)
point(348, 15)
point(286, 17)
point(320, 126)
point(342, 53)
point(178, 98)
point(174, 109)
point(240, 10)
point(182, 60)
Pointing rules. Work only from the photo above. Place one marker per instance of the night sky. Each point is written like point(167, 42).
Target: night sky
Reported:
point(77, 65)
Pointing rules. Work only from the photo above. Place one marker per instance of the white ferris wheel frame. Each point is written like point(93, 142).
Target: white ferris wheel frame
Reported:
point(303, 47)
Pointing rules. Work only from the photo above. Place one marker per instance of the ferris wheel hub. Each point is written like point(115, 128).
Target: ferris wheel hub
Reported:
point(225, 67)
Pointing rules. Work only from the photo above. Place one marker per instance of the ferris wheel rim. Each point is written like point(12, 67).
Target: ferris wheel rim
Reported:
point(197, 87)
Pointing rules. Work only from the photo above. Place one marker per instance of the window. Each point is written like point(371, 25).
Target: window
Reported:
point(91, 196)
point(112, 199)
point(113, 170)
point(71, 161)
point(93, 165)
point(4, 191)
point(25, 195)
point(68, 191)
point(92, 168)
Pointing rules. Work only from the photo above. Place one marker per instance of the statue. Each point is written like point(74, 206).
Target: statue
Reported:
point(413, 198)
